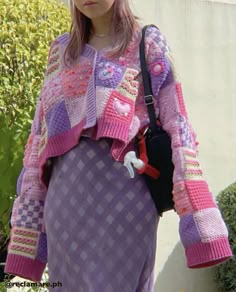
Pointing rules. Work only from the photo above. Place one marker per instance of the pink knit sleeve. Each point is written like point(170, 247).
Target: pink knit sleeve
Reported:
point(202, 230)
point(27, 250)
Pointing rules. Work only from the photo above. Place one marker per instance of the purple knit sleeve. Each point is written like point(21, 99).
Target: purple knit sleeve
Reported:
point(25, 255)
point(202, 230)
point(27, 250)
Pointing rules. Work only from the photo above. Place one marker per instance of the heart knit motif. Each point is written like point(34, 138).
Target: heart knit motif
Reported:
point(121, 108)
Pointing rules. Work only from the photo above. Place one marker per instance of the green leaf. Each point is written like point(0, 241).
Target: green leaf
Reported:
point(226, 273)
point(27, 29)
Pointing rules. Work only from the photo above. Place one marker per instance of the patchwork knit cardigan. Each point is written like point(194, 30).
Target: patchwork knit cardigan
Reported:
point(105, 96)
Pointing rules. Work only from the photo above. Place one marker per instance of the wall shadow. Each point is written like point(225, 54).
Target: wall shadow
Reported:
point(176, 277)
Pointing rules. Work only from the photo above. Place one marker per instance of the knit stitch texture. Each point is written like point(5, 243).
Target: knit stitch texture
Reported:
point(103, 97)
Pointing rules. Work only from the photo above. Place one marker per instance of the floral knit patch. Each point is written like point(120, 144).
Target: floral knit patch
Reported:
point(109, 75)
point(157, 68)
point(158, 72)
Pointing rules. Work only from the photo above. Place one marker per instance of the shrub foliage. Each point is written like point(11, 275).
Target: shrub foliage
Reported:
point(226, 273)
point(26, 31)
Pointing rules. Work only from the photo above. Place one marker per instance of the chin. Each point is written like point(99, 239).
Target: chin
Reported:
point(94, 15)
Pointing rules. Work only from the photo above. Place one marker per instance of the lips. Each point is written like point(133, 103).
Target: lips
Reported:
point(88, 3)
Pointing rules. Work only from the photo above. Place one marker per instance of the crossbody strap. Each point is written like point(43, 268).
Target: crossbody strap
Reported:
point(148, 95)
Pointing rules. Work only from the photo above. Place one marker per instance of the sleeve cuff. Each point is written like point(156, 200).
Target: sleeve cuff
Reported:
point(27, 268)
point(207, 254)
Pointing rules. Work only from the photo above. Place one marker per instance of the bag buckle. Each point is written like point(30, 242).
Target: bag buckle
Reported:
point(148, 99)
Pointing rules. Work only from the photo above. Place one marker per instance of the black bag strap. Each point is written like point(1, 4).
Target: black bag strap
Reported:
point(148, 95)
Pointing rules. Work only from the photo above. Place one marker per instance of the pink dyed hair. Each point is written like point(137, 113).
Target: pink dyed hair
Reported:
point(123, 25)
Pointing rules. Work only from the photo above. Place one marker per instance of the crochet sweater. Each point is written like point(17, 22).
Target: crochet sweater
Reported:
point(105, 97)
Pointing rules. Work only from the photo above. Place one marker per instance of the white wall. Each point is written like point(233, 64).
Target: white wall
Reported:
point(202, 37)
point(222, 1)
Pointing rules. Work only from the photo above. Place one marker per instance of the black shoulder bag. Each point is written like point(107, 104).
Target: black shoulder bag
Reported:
point(154, 147)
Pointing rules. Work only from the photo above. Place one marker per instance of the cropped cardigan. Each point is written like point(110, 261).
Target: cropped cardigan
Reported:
point(104, 95)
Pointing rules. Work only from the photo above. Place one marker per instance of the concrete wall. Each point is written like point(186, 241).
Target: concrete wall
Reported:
point(202, 37)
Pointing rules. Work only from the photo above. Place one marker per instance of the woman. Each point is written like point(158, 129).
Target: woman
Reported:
point(93, 224)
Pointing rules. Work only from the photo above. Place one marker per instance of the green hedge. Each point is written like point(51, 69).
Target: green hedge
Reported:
point(27, 28)
point(226, 273)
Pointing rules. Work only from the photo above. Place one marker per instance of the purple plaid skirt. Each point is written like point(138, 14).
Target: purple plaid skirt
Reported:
point(101, 224)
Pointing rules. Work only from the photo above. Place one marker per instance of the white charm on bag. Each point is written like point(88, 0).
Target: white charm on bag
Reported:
point(131, 160)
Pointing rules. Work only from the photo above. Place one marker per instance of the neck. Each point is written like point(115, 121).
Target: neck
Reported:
point(101, 25)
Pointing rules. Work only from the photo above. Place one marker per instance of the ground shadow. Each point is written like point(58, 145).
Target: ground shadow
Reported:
point(176, 277)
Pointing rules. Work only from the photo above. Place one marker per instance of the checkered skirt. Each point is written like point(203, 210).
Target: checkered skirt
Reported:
point(101, 224)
